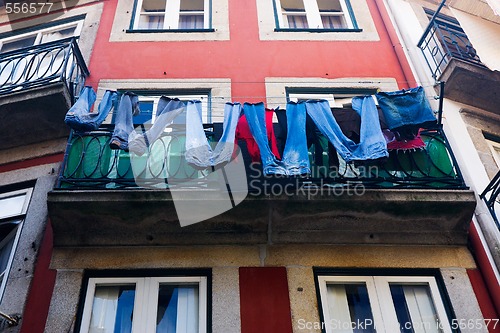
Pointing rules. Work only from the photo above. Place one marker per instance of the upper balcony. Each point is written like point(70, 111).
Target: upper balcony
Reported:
point(110, 197)
point(453, 59)
point(37, 87)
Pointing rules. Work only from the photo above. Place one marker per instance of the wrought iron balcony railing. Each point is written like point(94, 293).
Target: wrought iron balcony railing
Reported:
point(39, 65)
point(491, 197)
point(444, 40)
point(90, 164)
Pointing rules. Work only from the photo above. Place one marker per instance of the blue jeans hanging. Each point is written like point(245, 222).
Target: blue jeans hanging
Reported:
point(295, 158)
point(405, 107)
point(79, 116)
point(168, 109)
point(129, 105)
point(198, 151)
point(372, 144)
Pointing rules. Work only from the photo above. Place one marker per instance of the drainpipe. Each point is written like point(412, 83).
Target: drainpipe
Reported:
point(396, 44)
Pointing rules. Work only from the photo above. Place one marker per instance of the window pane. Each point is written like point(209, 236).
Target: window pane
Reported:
point(152, 14)
point(414, 308)
point(18, 44)
point(191, 15)
point(59, 34)
point(112, 309)
point(294, 13)
point(331, 14)
point(178, 308)
point(12, 205)
point(7, 237)
point(348, 305)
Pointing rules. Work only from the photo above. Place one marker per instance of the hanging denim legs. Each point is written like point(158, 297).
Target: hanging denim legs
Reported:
point(295, 156)
point(198, 151)
point(372, 143)
point(168, 109)
point(79, 116)
point(256, 118)
point(129, 105)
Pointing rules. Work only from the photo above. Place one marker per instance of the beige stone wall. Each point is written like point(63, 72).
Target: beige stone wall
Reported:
point(226, 260)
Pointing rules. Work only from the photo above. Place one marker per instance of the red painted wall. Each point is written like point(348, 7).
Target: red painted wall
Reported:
point(42, 285)
point(244, 58)
point(264, 300)
point(484, 299)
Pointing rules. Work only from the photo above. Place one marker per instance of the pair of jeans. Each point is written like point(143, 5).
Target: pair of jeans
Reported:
point(168, 109)
point(79, 116)
point(129, 105)
point(199, 153)
point(371, 144)
point(295, 157)
point(405, 107)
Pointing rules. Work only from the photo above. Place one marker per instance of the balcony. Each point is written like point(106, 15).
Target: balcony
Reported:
point(108, 197)
point(37, 86)
point(491, 198)
point(452, 59)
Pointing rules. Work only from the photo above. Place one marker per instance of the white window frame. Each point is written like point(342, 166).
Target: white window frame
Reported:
point(171, 14)
point(16, 232)
point(39, 33)
point(495, 150)
point(334, 99)
point(313, 15)
point(204, 98)
point(384, 314)
point(146, 299)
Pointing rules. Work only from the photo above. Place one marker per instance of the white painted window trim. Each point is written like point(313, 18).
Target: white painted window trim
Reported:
point(16, 232)
point(313, 14)
point(146, 299)
point(39, 33)
point(384, 314)
point(495, 150)
point(204, 98)
point(171, 21)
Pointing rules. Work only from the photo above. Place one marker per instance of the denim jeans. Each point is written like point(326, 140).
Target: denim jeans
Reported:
point(199, 153)
point(405, 107)
point(129, 104)
point(256, 118)
point(168, 109)
point(79, 116)
point(372, 144)
point(295, 156)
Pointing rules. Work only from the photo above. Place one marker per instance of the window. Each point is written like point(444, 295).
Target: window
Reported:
point(335, 99)
point(40, 36)
point(382, 304)
point(314, 14)
point(34, 66)
point(148, 103)
point(147, 304)
point(13, 206)
point(495, 150)
point(172, 15)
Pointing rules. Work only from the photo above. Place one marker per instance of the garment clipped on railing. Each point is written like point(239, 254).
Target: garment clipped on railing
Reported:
point(295, 159)
point(243, 133)
point(128, 107)
point(406, 111)
point(199, 153)
point(372, 144)
point(79, 117)
point(168, 109)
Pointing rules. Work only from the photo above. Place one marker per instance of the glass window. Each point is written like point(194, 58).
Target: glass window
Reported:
point(13, 206)
point(149, 104)
point(314, 14)
point(152, 304)
point(172, 14)
point(382, 304)
point(40, 36)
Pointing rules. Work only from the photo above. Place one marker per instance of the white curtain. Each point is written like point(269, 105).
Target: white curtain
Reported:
point(104, 310)
point(422, 311)
point(338, 307)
